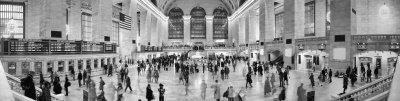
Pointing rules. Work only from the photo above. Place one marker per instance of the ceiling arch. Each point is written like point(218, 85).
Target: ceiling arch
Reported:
point(186, 5)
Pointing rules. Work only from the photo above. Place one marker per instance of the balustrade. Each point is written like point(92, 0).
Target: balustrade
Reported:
point(15, 84)
point(368, 90)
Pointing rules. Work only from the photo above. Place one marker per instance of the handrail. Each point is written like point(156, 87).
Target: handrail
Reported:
point(368, 90)
point(15, 86)
point(379, 97)
point(19, 97)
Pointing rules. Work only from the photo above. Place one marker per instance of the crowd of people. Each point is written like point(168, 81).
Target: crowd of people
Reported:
point(219, 66)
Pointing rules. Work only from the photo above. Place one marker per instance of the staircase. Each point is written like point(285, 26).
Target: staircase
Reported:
point(378, 90)
point(15, 87)
point(12, 85)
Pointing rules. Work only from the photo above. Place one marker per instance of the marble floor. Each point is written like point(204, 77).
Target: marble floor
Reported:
point(176, 91)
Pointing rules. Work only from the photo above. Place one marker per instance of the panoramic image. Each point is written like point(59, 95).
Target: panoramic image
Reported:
point(199, 50)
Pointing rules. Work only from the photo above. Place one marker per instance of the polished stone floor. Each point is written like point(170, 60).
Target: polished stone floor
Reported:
point(176, 91)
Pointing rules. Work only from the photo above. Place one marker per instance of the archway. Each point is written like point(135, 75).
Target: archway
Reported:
point(383, 60)
point(308, 59)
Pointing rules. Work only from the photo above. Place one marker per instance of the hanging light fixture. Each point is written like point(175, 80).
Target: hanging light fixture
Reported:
point(384, 11)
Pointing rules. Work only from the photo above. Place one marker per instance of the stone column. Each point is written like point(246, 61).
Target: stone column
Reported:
point(143, 29)
point(242, 30)
point(247, 27)
point(84, 64)
point(92, 64)
point(134, 30)
point(66, 66)
point(153, 30)
point(149, 26)
point(209, 28)
point(186, 29)
point(262, 29)
point(55, 66)
point(99, 63)
point(269, 21)
point(253, 27)
point(76, 66)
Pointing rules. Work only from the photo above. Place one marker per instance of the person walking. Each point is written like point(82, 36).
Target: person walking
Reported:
point(281, 83)
point(231, 94)
point(149, 93)
point(267, 87)
point(73, 74)
point(110, 70)
point(301, 93)
point(286, 76)
point(102, 83)
point(217, 90)
point(120, 92)
point(28, 85)
point(156, 75)
point(41, 80)
point(282, 95)
point(161, 91)
point(66, 85)
point(203, 88)
point(272, 80)
point(376, 71)
point(312, 79)
point(128, 83)
point(46, 93)
point(227, 72)
point(345, 83)
point(79, 78)
point(330, 75)
point(248, 79)
point(369, 74)
point(84, 76)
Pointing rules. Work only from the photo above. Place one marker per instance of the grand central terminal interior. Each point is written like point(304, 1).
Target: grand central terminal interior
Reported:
point(199, 50)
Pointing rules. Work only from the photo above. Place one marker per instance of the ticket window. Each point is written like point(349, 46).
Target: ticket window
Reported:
point(96, 63)
point(25, 67)
point(70, 65)
point(88, 63)
point(50, 66)
point(61, 66)
point(12, 68)
point(80, 64)
point(38, 68)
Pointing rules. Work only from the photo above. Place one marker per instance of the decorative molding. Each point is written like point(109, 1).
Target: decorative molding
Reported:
point(239, 12)
point(154, 10)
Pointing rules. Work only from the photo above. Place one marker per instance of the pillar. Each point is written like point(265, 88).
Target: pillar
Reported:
point(84, 64)
point(269, 21)
point(76, 65)
point(99, 63)
point(153, 30)
point(149, 26)
point(143, 29)
point(209, 28)
point(242, 30)
point(55, 66)
point(66, 66)
point(186, 29)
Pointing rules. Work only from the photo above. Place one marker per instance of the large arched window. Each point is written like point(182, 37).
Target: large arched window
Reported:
point(198, 23)
point(220, 23)
point(175, 23)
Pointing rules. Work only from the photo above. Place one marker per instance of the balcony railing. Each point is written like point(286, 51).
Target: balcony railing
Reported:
point(53, 47)
point(15, 84)
point(368, 91)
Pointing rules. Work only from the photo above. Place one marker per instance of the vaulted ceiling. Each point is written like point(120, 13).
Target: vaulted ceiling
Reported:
point(187, 5)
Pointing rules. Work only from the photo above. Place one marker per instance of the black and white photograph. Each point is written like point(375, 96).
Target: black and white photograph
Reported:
point(199, 50)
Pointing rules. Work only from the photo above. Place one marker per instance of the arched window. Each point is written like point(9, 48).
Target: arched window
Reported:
point(175, 23)
point(220, 23)
point(198, 23)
